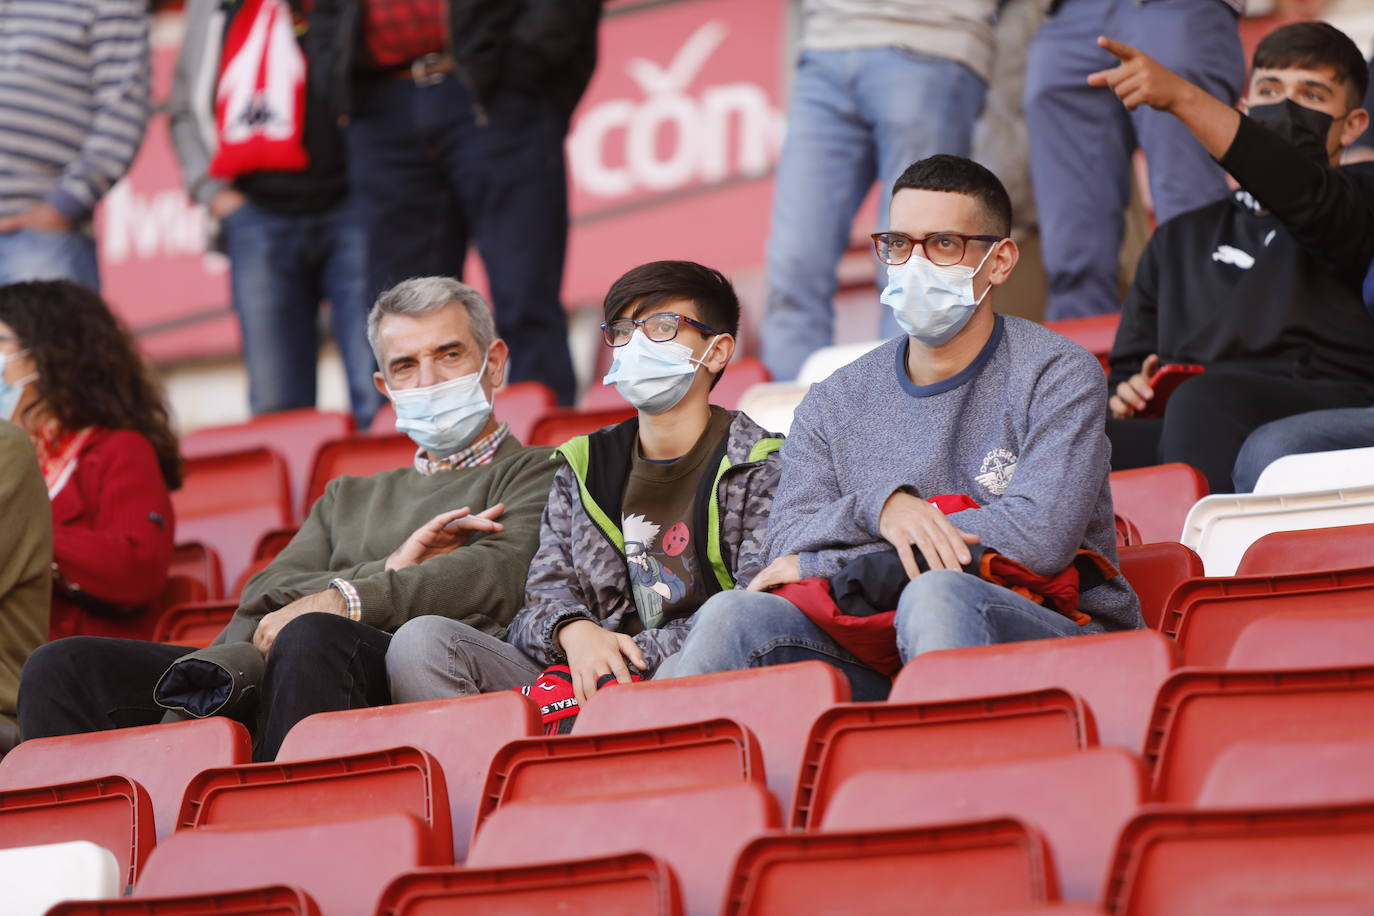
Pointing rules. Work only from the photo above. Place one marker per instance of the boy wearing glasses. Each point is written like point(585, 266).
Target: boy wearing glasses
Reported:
point(645, 520)
point(966, 402)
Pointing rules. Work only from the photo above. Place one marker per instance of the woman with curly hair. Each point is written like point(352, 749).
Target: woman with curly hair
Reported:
point(71, 377)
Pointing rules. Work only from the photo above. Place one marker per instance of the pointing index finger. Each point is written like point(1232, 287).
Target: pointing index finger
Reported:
point(1120, 50)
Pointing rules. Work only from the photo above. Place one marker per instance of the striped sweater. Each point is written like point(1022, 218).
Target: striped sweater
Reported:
point(73, 100)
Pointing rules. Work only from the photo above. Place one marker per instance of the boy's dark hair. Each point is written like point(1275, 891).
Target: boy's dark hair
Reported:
point(1315, 46)
point(961, 176)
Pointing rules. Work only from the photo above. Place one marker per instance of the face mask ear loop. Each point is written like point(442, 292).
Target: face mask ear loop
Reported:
point(702, 362)
point(979, 301)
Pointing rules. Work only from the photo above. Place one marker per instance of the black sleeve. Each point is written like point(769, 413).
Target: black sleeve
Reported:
point(1329, 210)
point(1138, 334)
point(546, 34)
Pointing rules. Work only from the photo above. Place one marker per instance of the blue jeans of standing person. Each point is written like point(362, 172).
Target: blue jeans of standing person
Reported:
point(1317, 431)
point(280, 267)
point(940, 609)
point(856, 117)
point(1082, 138)
point(434, 171)
point(30, 255)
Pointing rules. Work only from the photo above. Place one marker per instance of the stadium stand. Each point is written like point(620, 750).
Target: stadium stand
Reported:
point(1222, 527)
point(357, 455)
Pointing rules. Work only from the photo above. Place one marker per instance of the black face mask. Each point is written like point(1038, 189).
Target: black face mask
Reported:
point(1305, 129)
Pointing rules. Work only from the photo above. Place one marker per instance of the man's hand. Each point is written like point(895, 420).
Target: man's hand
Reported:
point(38, 218)
point(594, 652)
point(225, 202)
point(1140, 79)
point(1134, 395)
point(781, 571)
point(328, 601)
point(445, 533)
point(908, 520)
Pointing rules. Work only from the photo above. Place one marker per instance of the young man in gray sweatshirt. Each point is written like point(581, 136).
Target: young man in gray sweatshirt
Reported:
point(966, 402)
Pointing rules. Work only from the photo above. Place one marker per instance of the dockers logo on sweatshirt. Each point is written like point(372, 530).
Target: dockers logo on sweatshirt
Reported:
point(995, 474)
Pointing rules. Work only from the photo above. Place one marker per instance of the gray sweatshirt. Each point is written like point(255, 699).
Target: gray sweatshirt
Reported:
point(960, 31)
point(1021, 431)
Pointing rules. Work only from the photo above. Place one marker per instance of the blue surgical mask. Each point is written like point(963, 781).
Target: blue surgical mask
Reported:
point(653, 376)
point(11, 392)
point(443, 418)
point(932, 303)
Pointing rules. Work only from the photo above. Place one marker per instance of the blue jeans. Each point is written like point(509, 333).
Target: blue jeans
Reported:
point(28, 255)
point(280, 267)
point(1318, 431)
point(856, 116)
point(1082, 139)
point(430, 179)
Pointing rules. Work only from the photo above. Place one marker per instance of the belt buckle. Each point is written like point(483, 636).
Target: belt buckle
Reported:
point(422, 74)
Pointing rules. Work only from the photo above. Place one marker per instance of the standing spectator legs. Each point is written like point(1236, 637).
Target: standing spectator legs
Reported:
point(29, 255)
point(343, 276)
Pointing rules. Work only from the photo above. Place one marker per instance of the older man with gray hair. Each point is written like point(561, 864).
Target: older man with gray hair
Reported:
point(452, 535)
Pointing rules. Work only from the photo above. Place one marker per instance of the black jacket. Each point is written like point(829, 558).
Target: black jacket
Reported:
point(543, 48)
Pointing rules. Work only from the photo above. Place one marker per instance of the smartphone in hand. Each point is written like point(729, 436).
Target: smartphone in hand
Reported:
point(1163, 383)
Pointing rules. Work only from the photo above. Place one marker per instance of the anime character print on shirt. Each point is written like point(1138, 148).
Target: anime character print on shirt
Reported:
point(652, 580)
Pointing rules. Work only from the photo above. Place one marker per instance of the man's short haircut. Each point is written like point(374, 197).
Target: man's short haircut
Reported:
point(958, 175)
point(422, 295)
point(1315, 46)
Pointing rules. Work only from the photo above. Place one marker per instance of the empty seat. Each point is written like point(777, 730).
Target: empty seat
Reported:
point(113, 811)
point(742, 374)
point(665, 758)
point(777, 703)
point(956, 868)
point(228, 501)
point(1096, 333)
point(194, 559)
point(1116, 674)
point(1220, 528)
point(273, 543)
point(772, 404)
point(195, 625)
point(1154, 571)
point(160, 758)
point(1206, 616)
point(563, 423)
point(632, 883)
point(1078, 801)
point(1350, 467)
point(1289, 860)
point(357, 456)
point(1314, 638)
point(279, 900)
point(1157, 499)
point(462, 734)
point(1200, 713)
point(342, 864)
point(820, 364)
point(521, 404)
point(36, 877)
point(856, 737)
point(1269, 773)
point(696, 831)
point(1313, 550)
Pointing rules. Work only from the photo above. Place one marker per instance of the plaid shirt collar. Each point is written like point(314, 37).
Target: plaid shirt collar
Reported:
point(478, 453)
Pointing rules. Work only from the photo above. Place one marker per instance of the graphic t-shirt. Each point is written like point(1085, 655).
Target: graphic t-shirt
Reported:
point(659, 524)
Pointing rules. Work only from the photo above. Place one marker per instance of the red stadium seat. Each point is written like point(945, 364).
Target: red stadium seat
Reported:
point(273, 543)
point(1313, 550)
point(696, 831)
point(229, 501)
point(200, 563)
point(740, 375)
point(1095, 334)
point(112, 811)
point(1116, 674)
point(1078, 801)
point(160, 758)
point(1154, 571)
point(1207, 615)
point(342, 864)
point(662, 759)
point(383, 421)
point(178, 590)
point(255, 567)
point(1301, 772)
point(1200, 713)
point(601, 397)
point(561, 424)
point(462, 734)
point(632, 883)
point(856, 737)
point(1157, 499)
point(194, 625)
point(778, 704)
point(1286, 860)
point(956, 868)
point(266, 901)
point(521, 404)
point(1315, 638)
point(1127, 534)
point(360, 456)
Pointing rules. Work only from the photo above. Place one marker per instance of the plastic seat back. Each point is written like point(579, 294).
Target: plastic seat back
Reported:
point(1350, 467)
point(201, 563)
point(561, 424)
point(632, 883)
point(601, 397)
point(228, 501)
point(1078, 801)
point(1264, 772)
point(462, 734)
point(1116, 674)
point(278, 900)
point(113, 811)
point(358, 456)
point(1200, 713)
point(696, 831)
point(857, 737)
point(37, 877)
point(1314, 638)
point(776, 703)
point(1096, 333)
point(820, 364)
point(1222, 527)
point(160, 758)
point(773, 404)
point(1313, 550)
point(742, 374)
point(1157, 499)
point(1154, 571)
point(955, 868)
point(195, 625)
point(521, 404)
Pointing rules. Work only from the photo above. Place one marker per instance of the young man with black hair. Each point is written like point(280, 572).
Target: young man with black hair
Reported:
point(1262, 288)
point(966, 402)
point(645, 519)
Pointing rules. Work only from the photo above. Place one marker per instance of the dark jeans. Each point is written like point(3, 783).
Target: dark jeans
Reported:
point(280, 267)
point(430, 179)
point(320, 662)
point(1209, 418)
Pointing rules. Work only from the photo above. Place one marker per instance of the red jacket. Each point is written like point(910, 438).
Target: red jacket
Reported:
point(113, 533)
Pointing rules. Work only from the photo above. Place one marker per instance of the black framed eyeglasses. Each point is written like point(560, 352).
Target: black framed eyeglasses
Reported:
point(660, 328)
point(944, 249)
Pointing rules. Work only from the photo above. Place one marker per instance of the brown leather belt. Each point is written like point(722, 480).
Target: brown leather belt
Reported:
point(424, 71)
